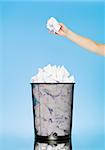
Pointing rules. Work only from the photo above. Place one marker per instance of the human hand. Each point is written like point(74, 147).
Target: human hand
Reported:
point(63, 30)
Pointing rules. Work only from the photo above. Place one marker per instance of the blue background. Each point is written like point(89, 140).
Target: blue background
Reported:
point(25, 45)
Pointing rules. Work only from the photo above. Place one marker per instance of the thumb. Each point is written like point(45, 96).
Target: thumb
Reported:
point(61, 24)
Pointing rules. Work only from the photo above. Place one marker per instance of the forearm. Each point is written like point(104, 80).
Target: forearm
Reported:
point(86, 43)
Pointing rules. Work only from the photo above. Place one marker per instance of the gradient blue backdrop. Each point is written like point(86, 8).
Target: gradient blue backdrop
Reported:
point(25, 45)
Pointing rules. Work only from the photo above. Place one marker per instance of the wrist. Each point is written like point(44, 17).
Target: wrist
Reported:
point(70, 35)
point(67, 33)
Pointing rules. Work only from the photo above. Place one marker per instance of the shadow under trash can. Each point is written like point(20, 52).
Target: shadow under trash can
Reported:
point(52, 111)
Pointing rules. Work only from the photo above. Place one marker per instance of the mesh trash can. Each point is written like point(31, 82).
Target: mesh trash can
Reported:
point(52, 111)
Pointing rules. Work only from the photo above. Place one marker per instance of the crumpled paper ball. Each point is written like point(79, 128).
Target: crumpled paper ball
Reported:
point(53, 25)
point(53, 74)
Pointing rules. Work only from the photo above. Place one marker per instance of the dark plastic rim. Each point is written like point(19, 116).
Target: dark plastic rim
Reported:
point(57, 139)
point(53, 83)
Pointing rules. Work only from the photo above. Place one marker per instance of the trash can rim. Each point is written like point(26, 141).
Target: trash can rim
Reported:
point(52, 83)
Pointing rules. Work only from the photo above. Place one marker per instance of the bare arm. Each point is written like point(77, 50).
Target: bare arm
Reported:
point(82, 41)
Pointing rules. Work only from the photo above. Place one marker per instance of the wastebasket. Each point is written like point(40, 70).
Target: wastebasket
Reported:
point(52, 111)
